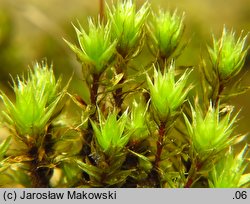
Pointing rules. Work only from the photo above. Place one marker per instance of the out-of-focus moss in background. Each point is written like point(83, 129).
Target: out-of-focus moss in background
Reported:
point(32, 30)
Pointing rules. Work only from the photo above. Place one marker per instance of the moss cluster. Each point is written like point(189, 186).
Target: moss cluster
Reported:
point(135, 130)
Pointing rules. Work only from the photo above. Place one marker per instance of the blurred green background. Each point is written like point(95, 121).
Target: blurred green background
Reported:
point(33, 30)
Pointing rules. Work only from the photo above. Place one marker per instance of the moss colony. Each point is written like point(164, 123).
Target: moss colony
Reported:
point(141, 125)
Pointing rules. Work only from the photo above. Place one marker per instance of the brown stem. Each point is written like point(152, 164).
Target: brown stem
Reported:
point(118, 95)
point(159, 144)
point(189, 183)
point(162, 61)
point(220, 90)
point(40, 176)
point(192, 177)
point(154, 176)
point(120, 68)
point(94, 89)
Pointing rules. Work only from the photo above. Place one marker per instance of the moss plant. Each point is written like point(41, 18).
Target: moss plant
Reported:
point(140, 126)
point(165, 32)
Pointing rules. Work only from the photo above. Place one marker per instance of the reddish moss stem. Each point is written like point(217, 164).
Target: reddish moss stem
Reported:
point(189, 183)
point(94, 89)
point(221, 88)
point(159, 144)
point(192, 177)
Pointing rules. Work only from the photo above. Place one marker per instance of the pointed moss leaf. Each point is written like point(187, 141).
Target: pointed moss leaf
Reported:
point(36, 99)
point(166, 93)
point(111, 135)
point(244, 180)
point(229, 171)
point(210, 132)
point(228, 54)
point(165, 31)
point(127, 26)
point(118, 177)
point(96, 48)
point(4, 147)
point(90, 170)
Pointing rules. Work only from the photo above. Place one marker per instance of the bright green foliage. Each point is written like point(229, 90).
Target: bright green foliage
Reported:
point(166, 93)
point(127, 131)
point(96, 48)
point(111, 136)
point(137, 123)
point(4, 147)
point(210, 132)
point(36, 100)
point(229, 171)
point(228, 54)
point(127, 26)
point(43, 77)
point(166, 30)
